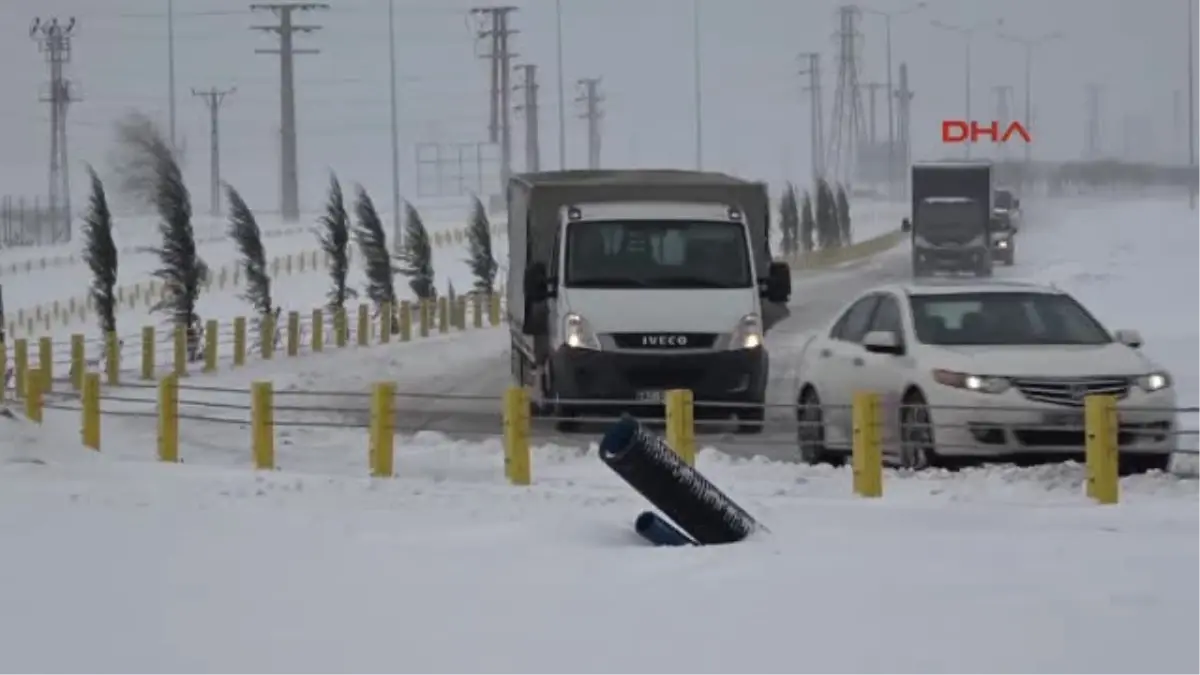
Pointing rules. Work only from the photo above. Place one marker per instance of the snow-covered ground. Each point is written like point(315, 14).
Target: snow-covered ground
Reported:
point(210, 566)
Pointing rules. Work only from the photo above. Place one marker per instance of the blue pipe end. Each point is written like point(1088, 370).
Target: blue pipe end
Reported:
point(618, 439)
point(659, 531)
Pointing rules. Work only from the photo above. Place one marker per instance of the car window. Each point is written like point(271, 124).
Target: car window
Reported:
point(887, 317)
point(1016, 318)
point(854, 322)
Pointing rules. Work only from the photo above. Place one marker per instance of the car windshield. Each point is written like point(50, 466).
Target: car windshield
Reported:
point(657, 254)
point(940, 219)
point(1004, 199)
point(1004, 319)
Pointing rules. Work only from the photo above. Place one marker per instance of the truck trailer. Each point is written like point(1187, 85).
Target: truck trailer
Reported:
point(624, 284)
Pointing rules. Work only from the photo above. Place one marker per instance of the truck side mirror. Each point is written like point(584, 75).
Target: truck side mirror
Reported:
point(779, 282)
point(537, 287)
point(1016, 203)
point(906, 225)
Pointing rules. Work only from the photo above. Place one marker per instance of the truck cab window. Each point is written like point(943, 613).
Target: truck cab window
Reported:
point(657, 254)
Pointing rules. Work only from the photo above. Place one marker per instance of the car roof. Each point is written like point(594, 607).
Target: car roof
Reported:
point(956, 286)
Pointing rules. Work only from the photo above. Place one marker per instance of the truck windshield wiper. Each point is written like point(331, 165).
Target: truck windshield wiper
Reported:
point(699, 282)
point(607, 282)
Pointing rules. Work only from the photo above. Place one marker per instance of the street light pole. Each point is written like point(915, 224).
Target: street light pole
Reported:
point(1030, 44)
point(891, 98)
point(967, 33)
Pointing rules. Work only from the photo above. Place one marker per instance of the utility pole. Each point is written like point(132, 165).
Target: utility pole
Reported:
point(213, 98)
point(1030, 44)
point(562, 94)
point(397, 230)
point(904, 97)
point(171, 71)
point(289, 174)
point(590, 97)
point(54, 40)
point(1191, 89)
point(1003, 94)
point(698, 85)
point(872, 89)
point(500, 57)
point(816, 132)
point(1092, 149)
point(533, 151)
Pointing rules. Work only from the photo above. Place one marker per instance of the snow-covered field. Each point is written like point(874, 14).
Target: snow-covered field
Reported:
point(210, 566)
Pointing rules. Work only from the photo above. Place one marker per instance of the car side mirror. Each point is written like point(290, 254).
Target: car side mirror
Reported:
point(882, 342)
point(1130, 338)
point(906, 225)
point(779, 282)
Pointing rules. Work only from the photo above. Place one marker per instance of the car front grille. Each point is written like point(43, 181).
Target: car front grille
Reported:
point(1070, 391)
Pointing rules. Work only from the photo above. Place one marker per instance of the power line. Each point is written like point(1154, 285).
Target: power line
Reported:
point(286, 30)
point(213, 98)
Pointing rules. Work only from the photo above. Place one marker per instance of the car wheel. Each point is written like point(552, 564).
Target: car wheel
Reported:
point(1132, 464)
point(916, 434)
point(810, 431)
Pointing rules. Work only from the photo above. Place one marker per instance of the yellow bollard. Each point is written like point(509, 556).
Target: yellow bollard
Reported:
point(266, 336)
point(179, 357)
point(34, 382)
point(148, 357)
point(460, 313)
point(112, 358)
point(3, 371)
point(866, 452)
point(381, 453)
point(1101, 456)
point(681, 426)
point(494, 309)
point(406, 321)
point(20, 365)
point(477, 310)
point(341, 328)
point(239, 341)
point(293, 332)
point(318, 330)
point(517, 461)
point(262, 425)
point(168, 419)
point(46, 362)
point(426, 316)
point(78, 361)
point(386, 319)
point(90, 408)
point(443, 315)
point(212, 334)
point(364, 325)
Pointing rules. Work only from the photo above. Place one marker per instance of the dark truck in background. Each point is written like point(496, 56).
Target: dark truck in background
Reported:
point(1006, 217)
point(951, 224)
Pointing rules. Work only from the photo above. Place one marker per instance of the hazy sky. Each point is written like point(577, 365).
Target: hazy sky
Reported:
point(755, 114)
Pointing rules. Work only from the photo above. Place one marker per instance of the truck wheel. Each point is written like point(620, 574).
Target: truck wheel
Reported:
point(562, 414)
point(750, 420)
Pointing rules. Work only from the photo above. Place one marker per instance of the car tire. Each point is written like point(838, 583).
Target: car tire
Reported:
point(1132, 464)
point(810, 431)
point(917, 438)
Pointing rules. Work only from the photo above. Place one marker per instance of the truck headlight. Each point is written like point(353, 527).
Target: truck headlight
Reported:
point(748, 333)
point(983, 384)
point(1001, 243)
point(578, 334)
point(1153, 382)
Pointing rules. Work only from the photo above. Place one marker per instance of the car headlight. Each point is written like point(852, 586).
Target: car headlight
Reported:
point(748, 333)
point(984, 384)
point(1153, 382)
point(578, 334)
point(1001, 243)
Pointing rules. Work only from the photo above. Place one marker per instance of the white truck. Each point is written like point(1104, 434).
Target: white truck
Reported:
point(625, 284)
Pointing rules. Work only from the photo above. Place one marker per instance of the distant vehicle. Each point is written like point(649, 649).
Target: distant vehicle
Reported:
point(625, 284)
point(982, 369)
point(951, 218)
point(1006, 222)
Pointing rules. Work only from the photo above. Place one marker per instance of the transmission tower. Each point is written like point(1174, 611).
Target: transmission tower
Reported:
point(1093, 145)
point(54, 41)
point(213, 98)
point(1003, 94)
point(846, 132)
point(816, 121)
point(529, 108)
point(872, 126)
point(289, 175)
point(590, 97)
point(496, 33)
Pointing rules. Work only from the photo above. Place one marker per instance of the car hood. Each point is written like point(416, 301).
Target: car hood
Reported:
point(1042, 361)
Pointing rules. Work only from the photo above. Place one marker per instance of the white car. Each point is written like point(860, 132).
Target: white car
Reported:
point(978, 370)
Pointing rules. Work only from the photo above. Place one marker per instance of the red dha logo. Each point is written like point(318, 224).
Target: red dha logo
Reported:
point(961, 131)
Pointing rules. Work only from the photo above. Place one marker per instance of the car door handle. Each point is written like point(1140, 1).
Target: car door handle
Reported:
point(858, 361)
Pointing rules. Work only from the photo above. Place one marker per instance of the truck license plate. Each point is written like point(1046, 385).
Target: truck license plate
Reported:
point(1064, 421)
point(653, 396)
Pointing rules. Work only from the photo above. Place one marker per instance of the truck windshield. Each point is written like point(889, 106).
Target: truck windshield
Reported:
point(657, 254)
point(949, 219)
point(1004, 319)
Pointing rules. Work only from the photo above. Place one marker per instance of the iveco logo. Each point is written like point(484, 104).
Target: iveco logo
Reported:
point(664, 340)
